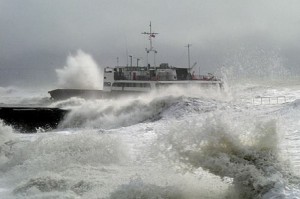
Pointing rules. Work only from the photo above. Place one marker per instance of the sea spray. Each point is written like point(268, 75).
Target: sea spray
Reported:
point(129, 110)
point(80, 72)
point(255, 65)
point(69, 103)
point(53, 152)
point(125, 111)
point(6, 133)
point(23, 96)
point(250, 158)
point(7, 140)
point(7, 90)
point(109, 114)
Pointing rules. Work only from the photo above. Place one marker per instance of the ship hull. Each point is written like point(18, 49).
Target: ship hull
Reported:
point(61, 94)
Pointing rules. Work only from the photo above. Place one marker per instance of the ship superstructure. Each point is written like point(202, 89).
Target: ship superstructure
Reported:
point(141, 79)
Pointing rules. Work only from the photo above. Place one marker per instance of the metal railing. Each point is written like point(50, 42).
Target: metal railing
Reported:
point(269, 100)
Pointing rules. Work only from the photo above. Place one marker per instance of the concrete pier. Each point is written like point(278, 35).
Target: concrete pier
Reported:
point(29, 119)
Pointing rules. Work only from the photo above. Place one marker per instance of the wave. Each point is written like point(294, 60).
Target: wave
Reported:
point(70, 103)
point(122, 112)
point(130, 110)
point(60, 164)
point(250, 158)
point(109, 114)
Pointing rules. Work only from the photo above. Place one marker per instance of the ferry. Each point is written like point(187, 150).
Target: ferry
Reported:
point(131, 79)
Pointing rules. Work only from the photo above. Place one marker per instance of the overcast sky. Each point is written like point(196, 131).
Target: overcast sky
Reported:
point(36, 36)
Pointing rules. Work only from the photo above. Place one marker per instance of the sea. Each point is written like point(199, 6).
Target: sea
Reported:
point(239, 142)
point(242, 141)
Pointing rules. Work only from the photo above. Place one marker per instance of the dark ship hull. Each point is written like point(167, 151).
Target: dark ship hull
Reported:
point(59, 94)
point(62, 94)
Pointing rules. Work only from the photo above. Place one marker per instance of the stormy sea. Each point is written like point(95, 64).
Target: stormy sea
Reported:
point(242, 141)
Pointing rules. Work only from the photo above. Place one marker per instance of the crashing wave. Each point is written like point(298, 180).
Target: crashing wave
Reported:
point(250, 159)
point(114, 113)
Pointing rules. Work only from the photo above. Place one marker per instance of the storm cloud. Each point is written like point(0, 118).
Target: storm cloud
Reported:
point(36, 37)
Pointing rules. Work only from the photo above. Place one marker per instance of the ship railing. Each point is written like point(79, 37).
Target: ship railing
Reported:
point(205, 77)
point(268, 100)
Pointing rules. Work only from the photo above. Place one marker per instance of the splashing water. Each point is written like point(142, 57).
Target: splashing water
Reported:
point(216, 148)
point(125, 111)
point(109, 114)
point(81, 72)
point(6, 140)
point(22, 96)
point(250, 158)
point(254, 66)
point(52, 153)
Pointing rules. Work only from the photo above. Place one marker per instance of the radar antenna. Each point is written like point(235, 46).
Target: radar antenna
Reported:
point(151, 35)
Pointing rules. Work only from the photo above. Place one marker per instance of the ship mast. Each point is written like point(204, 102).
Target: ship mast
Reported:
point(151, 35)
point(189, 62)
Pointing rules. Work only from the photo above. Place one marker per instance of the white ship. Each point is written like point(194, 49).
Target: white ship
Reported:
point(121, 80)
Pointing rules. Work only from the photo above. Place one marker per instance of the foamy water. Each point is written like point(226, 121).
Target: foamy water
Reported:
point(240, 142)
point(177, 144)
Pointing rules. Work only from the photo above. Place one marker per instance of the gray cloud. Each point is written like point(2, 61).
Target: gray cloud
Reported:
point(37, 36)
